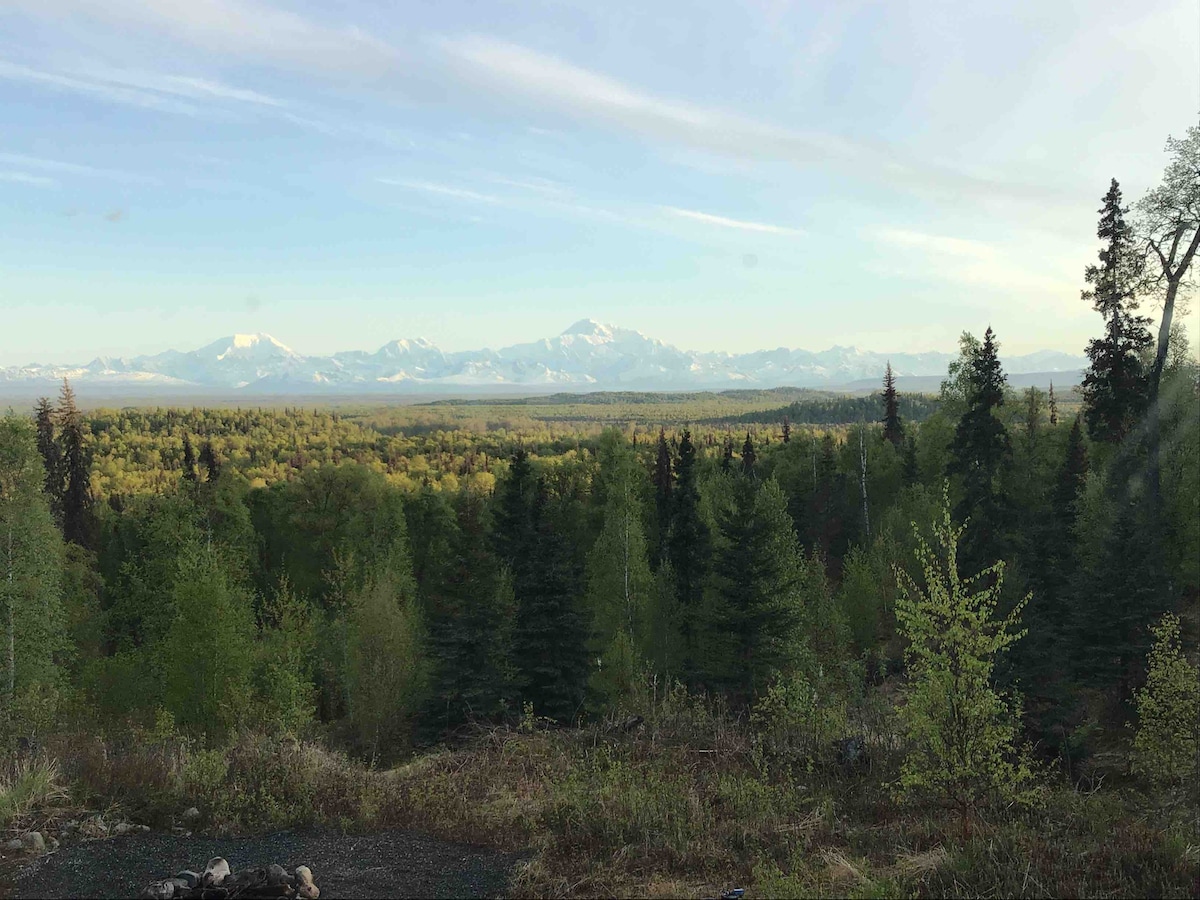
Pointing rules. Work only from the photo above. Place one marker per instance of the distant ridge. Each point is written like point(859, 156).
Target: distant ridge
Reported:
point(587, 356)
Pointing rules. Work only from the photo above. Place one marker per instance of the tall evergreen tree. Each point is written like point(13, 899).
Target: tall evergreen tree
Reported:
point(76, 468)
point(893, 428)
point(688, 546)
point(1053, 404)
point(208, 459)
point(663, 483)
point(980, 454)
point(31, 563)
point(550, 634)
point(787, 430)
point(727, 455)
point(51, 453)
point(189, 461)
point(752, 622)
point(748, 457)
point(1115, 386)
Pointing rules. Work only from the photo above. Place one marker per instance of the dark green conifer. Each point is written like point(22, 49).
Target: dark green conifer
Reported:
point(787, 430)
point(893, 428)
point(663, 483)
point(76, 470)
point(189, 461)
point(51, 453)
point(688, 546)
point(1116, 385)
point(208, 459)
point(979, 456)
point(748, 456)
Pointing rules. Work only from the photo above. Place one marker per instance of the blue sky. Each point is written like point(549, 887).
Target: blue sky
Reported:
point(479, 172)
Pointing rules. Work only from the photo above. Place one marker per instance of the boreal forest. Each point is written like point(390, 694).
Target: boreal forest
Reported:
point(807, 644)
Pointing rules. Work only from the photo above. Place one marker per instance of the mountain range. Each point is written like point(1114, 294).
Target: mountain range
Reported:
point(587, 356)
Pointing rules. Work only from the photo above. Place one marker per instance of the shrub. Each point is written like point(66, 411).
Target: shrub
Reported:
point(1167, 742)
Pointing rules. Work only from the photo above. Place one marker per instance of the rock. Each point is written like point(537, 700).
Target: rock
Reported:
point(15, 844)
point(143, 829)
point(215, 872)
point(190, 878)
point(34, 842)
point(122, 828)
point(277, 874)
point(158, 890)
point(305, 888)
point(94, 827)
point(191, 814)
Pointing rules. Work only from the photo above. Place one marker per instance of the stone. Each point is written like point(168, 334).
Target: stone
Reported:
point(305, 888)
point(143, 829)
point(215, 872)
point(277, 874)
point(192, 879)
point(15, 844)
point(191, 814)
point(34, 842)
point(122, 828)
point(158, 890)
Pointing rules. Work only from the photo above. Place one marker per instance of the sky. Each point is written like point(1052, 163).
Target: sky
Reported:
point(719, 175)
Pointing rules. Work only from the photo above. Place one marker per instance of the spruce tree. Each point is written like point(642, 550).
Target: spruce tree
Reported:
point(787, 430)
point(208, 459)
point(550, 634)
point(189, 461)
point(748, 457)
point(893, 428)
point(31, 563)
point(751, 624)
point(727, 455)
point(51, 453)
point(688, 546)
point(1053, 404)
point(77, 470)
point(980, 454)
point(663, 483)
point(1115, 387)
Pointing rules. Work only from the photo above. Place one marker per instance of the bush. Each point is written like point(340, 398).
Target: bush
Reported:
point(1167, 743)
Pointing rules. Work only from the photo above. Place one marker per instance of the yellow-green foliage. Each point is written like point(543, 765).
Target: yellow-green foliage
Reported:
point(796, 723)
point(961, 732)
point(29, 787)
point(1167, 743)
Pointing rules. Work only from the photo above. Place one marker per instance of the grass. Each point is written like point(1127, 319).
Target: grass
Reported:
point(683, 807)
point(29, 788)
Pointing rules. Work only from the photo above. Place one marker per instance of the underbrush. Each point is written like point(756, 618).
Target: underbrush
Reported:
point(689, 803)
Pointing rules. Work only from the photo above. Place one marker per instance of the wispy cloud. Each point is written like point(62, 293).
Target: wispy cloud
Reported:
point(235, 28)
point(741, 224)
point(69, 168)
point(502, 67)
point(110, 92)
point(26, 178)
point(444, 190)
point(179, 85)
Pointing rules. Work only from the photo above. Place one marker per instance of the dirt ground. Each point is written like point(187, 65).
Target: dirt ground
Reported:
point(382, 864)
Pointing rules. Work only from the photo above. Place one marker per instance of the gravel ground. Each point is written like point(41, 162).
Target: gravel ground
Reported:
point(383, 864)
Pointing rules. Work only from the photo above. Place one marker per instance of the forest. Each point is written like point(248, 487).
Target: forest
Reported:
point(815, 645)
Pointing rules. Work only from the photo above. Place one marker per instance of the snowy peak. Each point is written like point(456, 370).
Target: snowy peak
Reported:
point(248, 346)
point(590, 328)
point(587, 355)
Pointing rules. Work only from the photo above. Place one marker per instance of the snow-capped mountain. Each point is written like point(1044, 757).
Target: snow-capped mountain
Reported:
point(587, 356)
